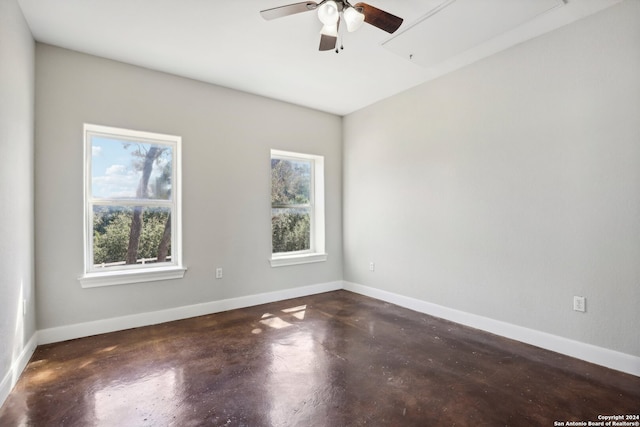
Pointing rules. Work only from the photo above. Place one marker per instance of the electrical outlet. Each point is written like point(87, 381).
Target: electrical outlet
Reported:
point(579, 303)
point(372, 266)
point(219, 273)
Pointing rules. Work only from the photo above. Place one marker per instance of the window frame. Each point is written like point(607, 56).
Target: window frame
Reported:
point(316, 251)
point(126, 274)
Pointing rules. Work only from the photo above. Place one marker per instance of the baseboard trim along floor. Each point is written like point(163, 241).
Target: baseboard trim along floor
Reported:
point(600, 356)
point(80, 330)
point(11, 377)
point(590, 353)
point(334, 358)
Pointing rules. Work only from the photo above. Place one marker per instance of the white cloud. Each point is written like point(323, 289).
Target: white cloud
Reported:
point(118, 181)
point(114, 170)
point(122, 181)
point(96, 151)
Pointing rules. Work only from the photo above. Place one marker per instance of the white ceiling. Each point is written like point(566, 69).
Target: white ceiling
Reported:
point(229, 44)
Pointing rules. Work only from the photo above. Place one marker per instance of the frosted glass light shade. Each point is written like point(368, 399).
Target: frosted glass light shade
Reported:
point(353, 19)
point(328, 13)
point(330, 30)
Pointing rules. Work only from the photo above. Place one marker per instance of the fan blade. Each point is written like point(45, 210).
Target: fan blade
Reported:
point(290, 9)
point(379, 18)
point(328, 42)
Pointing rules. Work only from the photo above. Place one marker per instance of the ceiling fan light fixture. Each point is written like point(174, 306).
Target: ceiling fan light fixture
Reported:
point(330, 30)
point(328, 13)
point(353, 18)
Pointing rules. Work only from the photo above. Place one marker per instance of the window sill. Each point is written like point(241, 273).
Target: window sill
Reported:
point(94, 280)
point(283, 261)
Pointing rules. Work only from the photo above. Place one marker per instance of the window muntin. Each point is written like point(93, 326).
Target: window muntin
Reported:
point(132, 209)
point(297, 208)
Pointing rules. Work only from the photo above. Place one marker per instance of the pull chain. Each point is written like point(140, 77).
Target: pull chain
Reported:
point(340, 38)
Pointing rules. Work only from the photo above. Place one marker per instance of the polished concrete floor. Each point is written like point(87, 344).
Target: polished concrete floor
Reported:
point(334, 359)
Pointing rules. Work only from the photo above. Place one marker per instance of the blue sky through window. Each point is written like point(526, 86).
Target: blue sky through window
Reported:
point(113, 170)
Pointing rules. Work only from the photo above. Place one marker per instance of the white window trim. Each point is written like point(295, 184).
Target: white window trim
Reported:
point(172, 270)
point(307, 258)
point(317, 250)
point(121, 277)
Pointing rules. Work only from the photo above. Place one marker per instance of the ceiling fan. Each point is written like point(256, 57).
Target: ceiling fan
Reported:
point(332, 12)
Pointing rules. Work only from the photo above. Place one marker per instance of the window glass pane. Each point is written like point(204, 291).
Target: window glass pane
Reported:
point(130, 169)
point(125, 235)
point(291, 229)
point(290, 182)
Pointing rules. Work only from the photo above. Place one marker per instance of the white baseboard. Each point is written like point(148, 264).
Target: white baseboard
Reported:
point(590, 353)
point(79, 330)
point(601, 356)
point(11, 377)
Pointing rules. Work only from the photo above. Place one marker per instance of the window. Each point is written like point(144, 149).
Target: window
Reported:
point(132, 206)
point(297, 208)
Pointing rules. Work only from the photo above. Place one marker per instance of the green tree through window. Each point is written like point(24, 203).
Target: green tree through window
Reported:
point(291, 204)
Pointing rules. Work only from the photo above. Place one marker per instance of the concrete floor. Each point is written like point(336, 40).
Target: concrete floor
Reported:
point(334, 359)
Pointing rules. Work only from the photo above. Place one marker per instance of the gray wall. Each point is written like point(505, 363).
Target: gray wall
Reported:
point(509, 186)
point(16, 184)
point(502, 189)
point(227, 137)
